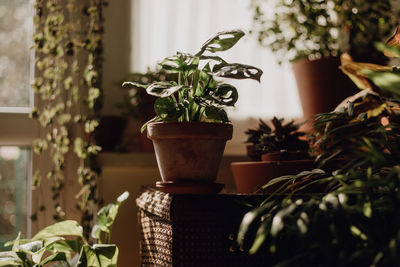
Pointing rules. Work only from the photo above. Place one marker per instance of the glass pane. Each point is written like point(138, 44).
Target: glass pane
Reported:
point(14, 178)
point(16, 20)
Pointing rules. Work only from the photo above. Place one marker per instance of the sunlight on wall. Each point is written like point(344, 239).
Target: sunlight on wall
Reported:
point(160, 28)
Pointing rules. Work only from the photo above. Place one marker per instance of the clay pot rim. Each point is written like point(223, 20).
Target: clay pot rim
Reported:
point(287, 156)
point(195, 130)
point(269, 162)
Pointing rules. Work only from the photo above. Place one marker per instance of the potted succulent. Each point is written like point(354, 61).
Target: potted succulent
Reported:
point(282, 151)
point(283, 142)
point(191, 127)
point(253, 140)
point(312, 34)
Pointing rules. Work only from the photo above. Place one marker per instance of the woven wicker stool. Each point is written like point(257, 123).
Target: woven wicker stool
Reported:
point(192, 230)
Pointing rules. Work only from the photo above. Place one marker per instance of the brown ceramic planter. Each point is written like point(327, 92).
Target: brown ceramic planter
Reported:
point(278, 156)
point(189, 152)
point(251, 176)
point(321, 84)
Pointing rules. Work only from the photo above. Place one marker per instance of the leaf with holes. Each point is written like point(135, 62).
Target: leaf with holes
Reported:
point(237, 71)
point(163, 89)
point(221, 41)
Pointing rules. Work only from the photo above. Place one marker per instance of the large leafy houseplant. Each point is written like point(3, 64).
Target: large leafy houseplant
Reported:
point(317, 28)
point(197, 96)
point(313, 33)
point(356, 222)
point(64, 243)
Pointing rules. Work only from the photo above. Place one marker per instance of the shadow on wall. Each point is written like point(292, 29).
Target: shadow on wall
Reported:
point(117, 51)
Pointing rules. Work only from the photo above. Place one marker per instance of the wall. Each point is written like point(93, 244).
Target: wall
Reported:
point(117, 50)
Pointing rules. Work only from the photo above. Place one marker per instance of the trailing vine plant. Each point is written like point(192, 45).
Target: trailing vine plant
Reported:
point(68, 51)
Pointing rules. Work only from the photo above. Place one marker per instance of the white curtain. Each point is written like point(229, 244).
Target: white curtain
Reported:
point(162, 27)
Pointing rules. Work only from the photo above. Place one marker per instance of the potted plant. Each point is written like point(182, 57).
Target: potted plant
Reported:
point(191, 127)
point(282, 151)
point(283, 142)
point(312, 34)
point(253, 140)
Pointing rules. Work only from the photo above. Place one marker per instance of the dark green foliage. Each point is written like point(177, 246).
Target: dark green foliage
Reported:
point(351, 218)
point(317, 28)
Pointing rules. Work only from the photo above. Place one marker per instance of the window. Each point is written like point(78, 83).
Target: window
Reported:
point(160, 28)
point(17, 130)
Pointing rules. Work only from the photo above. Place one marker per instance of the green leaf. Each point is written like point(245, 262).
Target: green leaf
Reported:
point(180, 62)
point(64, 228)
point(37, 256)
point(88, 258)
point(213, 58)
point(386, 80)
point(167, 109)
point(10, 258)
point(33, 246)
point(106, 216)
point(155, 119)
point(163, 89)
point(135, 84)
point(221, 41)
point(278, 220)
point(251, 220)
point(216, 114)
point(106, 254)
point(61, 256)
point(237, 71)
point(261, 235)
point(389, 51)
point(66, 246)
point(223, 95)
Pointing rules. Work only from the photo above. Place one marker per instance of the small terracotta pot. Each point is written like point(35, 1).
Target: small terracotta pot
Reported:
point(189, 151)
point(280, 156)
point(251, 176)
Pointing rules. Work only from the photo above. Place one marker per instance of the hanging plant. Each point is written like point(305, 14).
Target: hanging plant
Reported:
point(68, 49)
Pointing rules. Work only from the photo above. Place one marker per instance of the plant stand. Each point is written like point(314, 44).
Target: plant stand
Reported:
point(193, 230)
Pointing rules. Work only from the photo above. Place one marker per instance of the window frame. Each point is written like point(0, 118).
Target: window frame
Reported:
point(18, 129)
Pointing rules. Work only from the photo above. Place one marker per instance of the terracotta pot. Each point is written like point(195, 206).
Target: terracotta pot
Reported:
point(145, 145)
point(279, 156)
point(252, 153)
point(189, 152)
point(251, 176)
point(321, 84)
